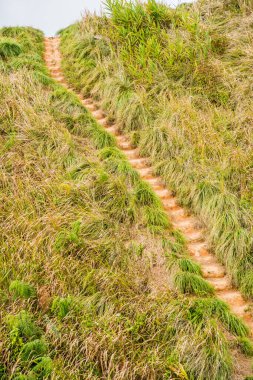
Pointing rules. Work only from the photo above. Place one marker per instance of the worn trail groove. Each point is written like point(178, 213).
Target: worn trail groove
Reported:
point(212, 270)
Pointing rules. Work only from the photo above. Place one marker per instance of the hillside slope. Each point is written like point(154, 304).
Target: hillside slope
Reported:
point(83, 240)
point(179, 84)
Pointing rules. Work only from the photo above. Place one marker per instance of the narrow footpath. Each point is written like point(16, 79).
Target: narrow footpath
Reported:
point(212, 270)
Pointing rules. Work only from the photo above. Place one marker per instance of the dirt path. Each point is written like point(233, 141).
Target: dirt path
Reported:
point(212, 270)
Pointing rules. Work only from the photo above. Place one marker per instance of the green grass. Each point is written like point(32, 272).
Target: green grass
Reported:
point(191, 283)
point(81, 236)
point(21, 289)
point(22, 47)
point(9, 48)
point(246, 346)
point(177, 83)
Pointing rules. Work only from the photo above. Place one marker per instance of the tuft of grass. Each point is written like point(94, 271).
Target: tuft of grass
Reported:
point(22, 289)
point(145, 196)
point(61, 306)
point(123, 168)
point(187, 265)
point(247, 284)
point(32, 350)
point(43, 78)
point(101, 137)
point(22, 325)
point(211, 307)
point(111, 152)
point(9, 48)
point(43, 367)
point(245, 345)
point(191, 283)
point(156, 217)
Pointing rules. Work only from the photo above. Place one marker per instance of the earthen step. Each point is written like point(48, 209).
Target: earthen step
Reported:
point(145, 173)
point(60, 78)
point(241, 311)
point(194, 235)
point(125, 145)
point(78, 95)
point(177, 212)
point(222, 283)
point(104, 122)
point(170, 203)
point(208, 259)
point(233, 297)
point(54, 70)
point(90, 106)
point(121, 138)
point(132, 153)
point(51, 67)
point(162, 192)
point(138, 163)
point(236, 302)
point(88, 101)
point(56, 60)
point(198, 249)
point(158, 187)
point(185, 223)
point(114, 129)
point(154, 181)
point(98, 114)
point(213, 271)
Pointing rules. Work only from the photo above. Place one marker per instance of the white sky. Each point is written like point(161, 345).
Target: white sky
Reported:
point(49, 15)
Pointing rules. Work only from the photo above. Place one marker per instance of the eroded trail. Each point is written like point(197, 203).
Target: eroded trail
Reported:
point(212, 270)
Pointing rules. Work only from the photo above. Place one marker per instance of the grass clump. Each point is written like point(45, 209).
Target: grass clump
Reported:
point(9, 48)
point(101, 137)
point(246, 346)
point(191, 283)
point(210, 307)
point(22, 48)
point(62, 306)
point(145, 196)
point(34, 349)
point(156, 218)
point(22, 289)
point(187, 265)
point(22, 326)
point(42, 367)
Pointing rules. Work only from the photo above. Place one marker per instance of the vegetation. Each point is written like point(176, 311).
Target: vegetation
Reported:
point(81, 240)
point(178, 82)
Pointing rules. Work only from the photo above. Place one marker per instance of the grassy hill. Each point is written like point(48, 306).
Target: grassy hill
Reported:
point(179, 83)
point(94, 282)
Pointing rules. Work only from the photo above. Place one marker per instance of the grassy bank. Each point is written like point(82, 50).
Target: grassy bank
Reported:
point(178, 82)
point(81, 241)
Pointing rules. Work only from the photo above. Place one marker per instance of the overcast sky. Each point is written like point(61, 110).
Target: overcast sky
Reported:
point(49, 15)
